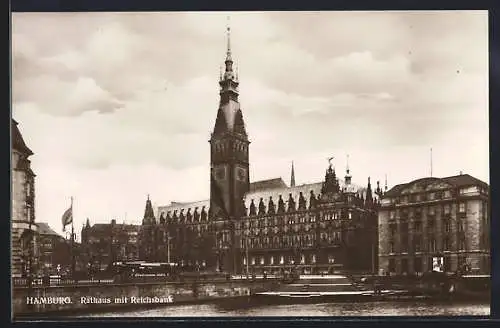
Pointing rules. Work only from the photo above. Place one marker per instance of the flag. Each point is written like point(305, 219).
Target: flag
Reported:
point(217, 201)
point(67, 218)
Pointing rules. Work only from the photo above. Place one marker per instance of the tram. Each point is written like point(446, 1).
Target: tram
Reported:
point(123, 271)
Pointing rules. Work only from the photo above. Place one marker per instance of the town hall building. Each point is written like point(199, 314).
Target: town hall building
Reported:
point(263, 226)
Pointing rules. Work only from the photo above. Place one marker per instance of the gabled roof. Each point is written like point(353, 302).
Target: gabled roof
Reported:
point(462, 180)
point(264, 189)
point(396, 190)
point(176, 206)
point(276, 183)
point(106, 227)
point(285, 192)
point(45, 229)
point(18, 141)
point(267, 184)
point(100, 227)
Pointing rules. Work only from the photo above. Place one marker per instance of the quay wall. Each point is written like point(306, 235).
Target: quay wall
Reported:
point(105, 297)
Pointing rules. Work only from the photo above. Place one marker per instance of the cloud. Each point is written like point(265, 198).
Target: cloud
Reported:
point(118, 105)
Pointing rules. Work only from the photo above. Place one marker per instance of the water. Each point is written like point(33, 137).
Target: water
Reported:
point(321, 310)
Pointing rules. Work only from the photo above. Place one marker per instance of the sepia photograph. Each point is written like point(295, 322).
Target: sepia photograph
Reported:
point(250, 164)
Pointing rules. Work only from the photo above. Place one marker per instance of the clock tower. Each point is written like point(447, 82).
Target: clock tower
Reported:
point(229, 159)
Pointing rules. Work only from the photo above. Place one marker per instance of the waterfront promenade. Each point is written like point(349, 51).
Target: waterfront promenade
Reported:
point(87, 296)
point(72, 297)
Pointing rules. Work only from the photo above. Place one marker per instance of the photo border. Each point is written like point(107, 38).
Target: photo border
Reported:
point(158, 5)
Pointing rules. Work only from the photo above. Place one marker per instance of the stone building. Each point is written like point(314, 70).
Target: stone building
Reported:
point(54, 250)
point(23, 227)
point(265, 225)
point(105, 243)
point(429, 219)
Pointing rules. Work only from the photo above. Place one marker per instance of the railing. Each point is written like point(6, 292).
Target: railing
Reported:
point(58, 282)
point(39, 282)
point(255, 277)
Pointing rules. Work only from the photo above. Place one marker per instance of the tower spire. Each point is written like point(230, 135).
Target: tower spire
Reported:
point(347, 178)
point(385, 187)
point(292, 177)
point(369, 196)
point(228, 30)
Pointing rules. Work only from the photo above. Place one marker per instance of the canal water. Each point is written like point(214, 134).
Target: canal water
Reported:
point(326, 309)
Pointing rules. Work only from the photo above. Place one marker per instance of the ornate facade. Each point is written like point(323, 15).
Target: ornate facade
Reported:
point(54, 250)
point(434, 218)
point(266, 225)
point(23, 227)
point(103, 244)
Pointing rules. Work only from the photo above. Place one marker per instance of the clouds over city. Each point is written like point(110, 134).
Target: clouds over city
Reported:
point(97, 91)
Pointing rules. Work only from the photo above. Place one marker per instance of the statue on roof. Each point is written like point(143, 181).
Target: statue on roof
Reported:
point(203, 213)
point(291, 203)
point(312, 200)
point(196, 215)
point(253, 210)
point(262, 207)
point(271, 207)
point(281, 205)
point(302, 202)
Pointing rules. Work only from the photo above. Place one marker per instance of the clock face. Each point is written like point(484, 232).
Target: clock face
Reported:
point(241, 174)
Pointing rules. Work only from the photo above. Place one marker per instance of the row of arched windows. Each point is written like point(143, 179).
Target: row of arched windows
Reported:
point(280, 260)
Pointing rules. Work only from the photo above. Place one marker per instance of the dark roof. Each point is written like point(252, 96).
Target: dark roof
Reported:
point(394, 191)
point(148, 211)
point(267, 184)
point(18, 141)
point(462, 180)
point(104, 227)
point(45, 229)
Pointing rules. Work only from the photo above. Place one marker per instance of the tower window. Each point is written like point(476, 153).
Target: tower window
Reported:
point(461, 207)
point(392, 265)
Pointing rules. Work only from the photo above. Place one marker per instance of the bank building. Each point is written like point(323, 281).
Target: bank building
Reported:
point(263, 226)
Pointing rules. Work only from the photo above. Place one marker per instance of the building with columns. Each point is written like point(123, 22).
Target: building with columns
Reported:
point(435, 224)
point(245, 226)
point(23, 227)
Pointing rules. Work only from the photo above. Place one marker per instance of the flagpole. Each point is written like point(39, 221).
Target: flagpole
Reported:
point(72, 241)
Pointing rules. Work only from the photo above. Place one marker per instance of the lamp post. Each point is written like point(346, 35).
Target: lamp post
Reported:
point(246, 249)
point(168, 246)
point(373, 250)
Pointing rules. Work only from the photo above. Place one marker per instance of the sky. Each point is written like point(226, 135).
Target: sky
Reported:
point(119, 106)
